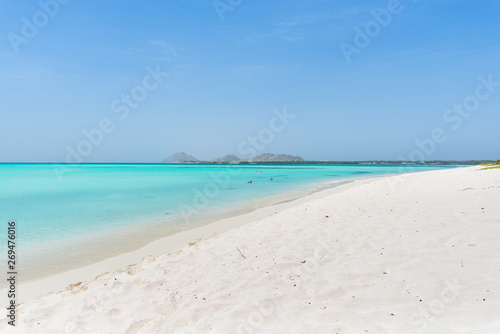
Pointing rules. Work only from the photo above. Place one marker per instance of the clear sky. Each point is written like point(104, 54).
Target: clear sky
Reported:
point(363, 79)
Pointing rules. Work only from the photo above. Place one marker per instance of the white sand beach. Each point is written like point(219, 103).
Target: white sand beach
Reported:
point(416, 253)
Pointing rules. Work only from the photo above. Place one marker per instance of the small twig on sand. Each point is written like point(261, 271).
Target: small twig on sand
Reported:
point(241, 252)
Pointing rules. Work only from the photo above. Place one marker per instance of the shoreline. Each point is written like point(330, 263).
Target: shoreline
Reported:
point(409, 253)
point(57, 282)
point(76, 246)
point(86, 249)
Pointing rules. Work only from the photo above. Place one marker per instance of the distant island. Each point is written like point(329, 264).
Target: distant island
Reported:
point(183, 158)
point(270, 158)
point(180, 158)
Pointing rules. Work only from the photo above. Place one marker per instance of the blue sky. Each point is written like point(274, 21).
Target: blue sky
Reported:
point(228, 77)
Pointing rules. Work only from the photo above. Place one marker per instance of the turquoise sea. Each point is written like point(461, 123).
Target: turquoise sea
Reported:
point(71, 215)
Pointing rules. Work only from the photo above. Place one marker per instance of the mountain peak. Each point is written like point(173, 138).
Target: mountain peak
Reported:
point(179, 158)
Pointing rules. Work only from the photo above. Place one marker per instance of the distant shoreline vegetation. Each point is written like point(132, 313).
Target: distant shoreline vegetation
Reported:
point(437, 162)
point(271, 158)
point(491, 165)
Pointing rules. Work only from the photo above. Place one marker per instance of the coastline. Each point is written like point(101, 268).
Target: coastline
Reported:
point(60, 244)
point(407, 253)
point(86, 249)
point(56, 282)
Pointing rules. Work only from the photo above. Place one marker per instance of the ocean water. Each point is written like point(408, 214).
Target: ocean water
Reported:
point(71, 215)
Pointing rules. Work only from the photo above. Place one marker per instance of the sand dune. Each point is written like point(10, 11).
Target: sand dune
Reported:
point(417, 253)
